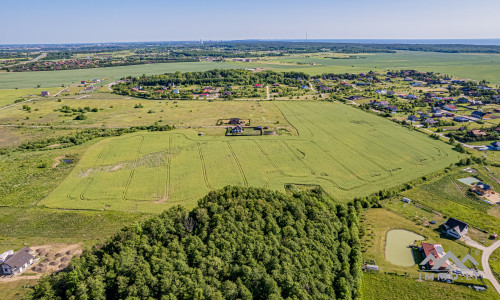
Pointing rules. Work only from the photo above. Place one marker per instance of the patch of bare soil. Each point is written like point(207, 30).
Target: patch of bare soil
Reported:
point(117, 167)
point(53, 145)
point(57, 161)
point(86, 174)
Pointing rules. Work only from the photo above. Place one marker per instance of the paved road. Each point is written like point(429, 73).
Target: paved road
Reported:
point(487, 251)
point(30, 61)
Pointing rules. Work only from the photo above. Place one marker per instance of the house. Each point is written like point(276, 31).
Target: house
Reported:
point(461, 119)
point(408, 79)
point(208, 90)
point(456, 228)
point(381, 92)
point(412, 97)
point(363, 84)
point(45, 93)
point(324, 88)
point(435, 250)
point(18, 262)
point(478, 114)
point(416, 83)
point(391, 93)
point(481, 188)
point(392, 108)
point(237, 129)
point(436, 110)
point(83, 82)
point(176, 91)
point(462, 100)
point(477, 132)
point(429, 121)
point(450, 107)
point(258, 85)
point(495, 146)
point(354, 97)
point(304, 87)
point(235, 121)
point(413, 118)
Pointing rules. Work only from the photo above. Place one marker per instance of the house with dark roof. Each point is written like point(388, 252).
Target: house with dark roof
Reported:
point(235, 121)
point(456, 228)
point(495, 146)
point(461, 119)
point(413, 118)
point(482, 188)
point(18, 262)
point(429, 121)
point(354, 97)
point(478, 114)
point(450, 107)
point(237, 129)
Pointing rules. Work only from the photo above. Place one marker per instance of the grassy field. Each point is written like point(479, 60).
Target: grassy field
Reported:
point(15, 289)
point(473, 66)
point(119, 111)
point(8, 96)
point(348, 152)
point(384, 286)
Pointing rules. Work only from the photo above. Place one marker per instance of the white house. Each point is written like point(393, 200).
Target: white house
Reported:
point(18, 262)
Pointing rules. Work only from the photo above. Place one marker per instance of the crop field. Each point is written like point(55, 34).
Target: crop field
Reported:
point(473, 66)
point(346, 151)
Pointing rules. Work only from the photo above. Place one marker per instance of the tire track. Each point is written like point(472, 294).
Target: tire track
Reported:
point(299, 158)
point(204, 168)
point(131, 175)
point(269, 158)
point(245, 181)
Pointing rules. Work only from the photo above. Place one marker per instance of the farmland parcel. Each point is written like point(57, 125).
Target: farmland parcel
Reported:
point(347, 152)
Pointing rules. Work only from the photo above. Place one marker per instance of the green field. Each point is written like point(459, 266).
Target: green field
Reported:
point(8, 96)
point(473, 66)
point(347, 152)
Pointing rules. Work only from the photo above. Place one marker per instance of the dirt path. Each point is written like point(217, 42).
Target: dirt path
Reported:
point(57, 161)
point(267, 92)
point(312, 88)
point(487, 251)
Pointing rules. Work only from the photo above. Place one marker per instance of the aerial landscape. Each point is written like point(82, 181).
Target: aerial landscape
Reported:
point(160, 156)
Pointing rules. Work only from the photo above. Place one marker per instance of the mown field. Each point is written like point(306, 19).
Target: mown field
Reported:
point(473, 66)
point(9, 96)
point(347, 152)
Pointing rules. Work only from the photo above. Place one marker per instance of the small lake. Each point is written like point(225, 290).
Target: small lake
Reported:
point(396, 247)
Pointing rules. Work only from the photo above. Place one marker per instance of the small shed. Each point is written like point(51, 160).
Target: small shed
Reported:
point(406, 200)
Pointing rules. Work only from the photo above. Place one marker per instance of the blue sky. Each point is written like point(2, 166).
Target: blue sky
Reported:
point(57, 21)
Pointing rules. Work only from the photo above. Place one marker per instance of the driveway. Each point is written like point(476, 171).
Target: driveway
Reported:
point(485, 260)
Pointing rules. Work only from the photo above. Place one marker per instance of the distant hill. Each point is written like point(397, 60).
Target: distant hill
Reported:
point(239, 243)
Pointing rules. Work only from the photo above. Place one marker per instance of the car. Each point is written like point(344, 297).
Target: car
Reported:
point(457, 272)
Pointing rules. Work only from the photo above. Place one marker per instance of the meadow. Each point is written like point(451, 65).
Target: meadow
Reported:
point(347, 152)
point(9, 96)
point(473, 66)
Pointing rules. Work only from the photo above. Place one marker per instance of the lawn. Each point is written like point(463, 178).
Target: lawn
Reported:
point(348, 152)
point(473, 66)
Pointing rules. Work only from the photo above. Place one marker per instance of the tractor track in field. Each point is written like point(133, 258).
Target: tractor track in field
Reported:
point(167, 183)
point(269, 158)
point(131, 175)
point(299, 158)
point(245, 181)
point(292, 113)
point(204, 167)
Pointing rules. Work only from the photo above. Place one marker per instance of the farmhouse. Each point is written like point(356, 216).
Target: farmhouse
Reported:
point(456, 228)
point(237, 129)
point(45, 93)
point(18, 262)
point(435, 250)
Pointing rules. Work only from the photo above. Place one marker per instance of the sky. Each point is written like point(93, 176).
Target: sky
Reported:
point(69, 21)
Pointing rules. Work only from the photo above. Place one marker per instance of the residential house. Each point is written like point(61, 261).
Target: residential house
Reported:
point(495, 146)
point(462, 100)
point(456, 228)
point(435, 250)
point(391, 93)
point(476, 133)
point(429, 121)
point(363, 84)
point(45, 93)
point(382, 92)
point(392, 108)
point(415, 84)
point(413, 118)
point(408, 79)
point(450, 107)
point(324, 88)
point(478, 114)
point(436, 110)
point(461, 119)
point(237, 129)
point(258, 85)
point(176, 91)
point(235, 121)
point(304, 87)
point(18, 262)
point(354, 97)
point(481, 188)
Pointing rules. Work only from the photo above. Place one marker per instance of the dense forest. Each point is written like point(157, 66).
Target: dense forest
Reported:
point(238, 243)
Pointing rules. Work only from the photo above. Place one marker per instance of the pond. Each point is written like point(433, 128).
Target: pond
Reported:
point(396, 247)
point(67, 161)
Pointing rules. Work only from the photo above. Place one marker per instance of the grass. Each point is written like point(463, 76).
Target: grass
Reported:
point(473, 66)
point(495, 263)
point(16, 289)
point(118, 111)
point(348, 152)
point(384, 286)
point(9, 96)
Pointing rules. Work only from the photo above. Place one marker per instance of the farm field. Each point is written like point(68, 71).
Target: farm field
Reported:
point(347, 152)
point(473, 66)
point(8, 96)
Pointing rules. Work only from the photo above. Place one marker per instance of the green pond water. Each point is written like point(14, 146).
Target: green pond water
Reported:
point(396, 247)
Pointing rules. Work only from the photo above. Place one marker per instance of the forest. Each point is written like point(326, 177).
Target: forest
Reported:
point(238, 243)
